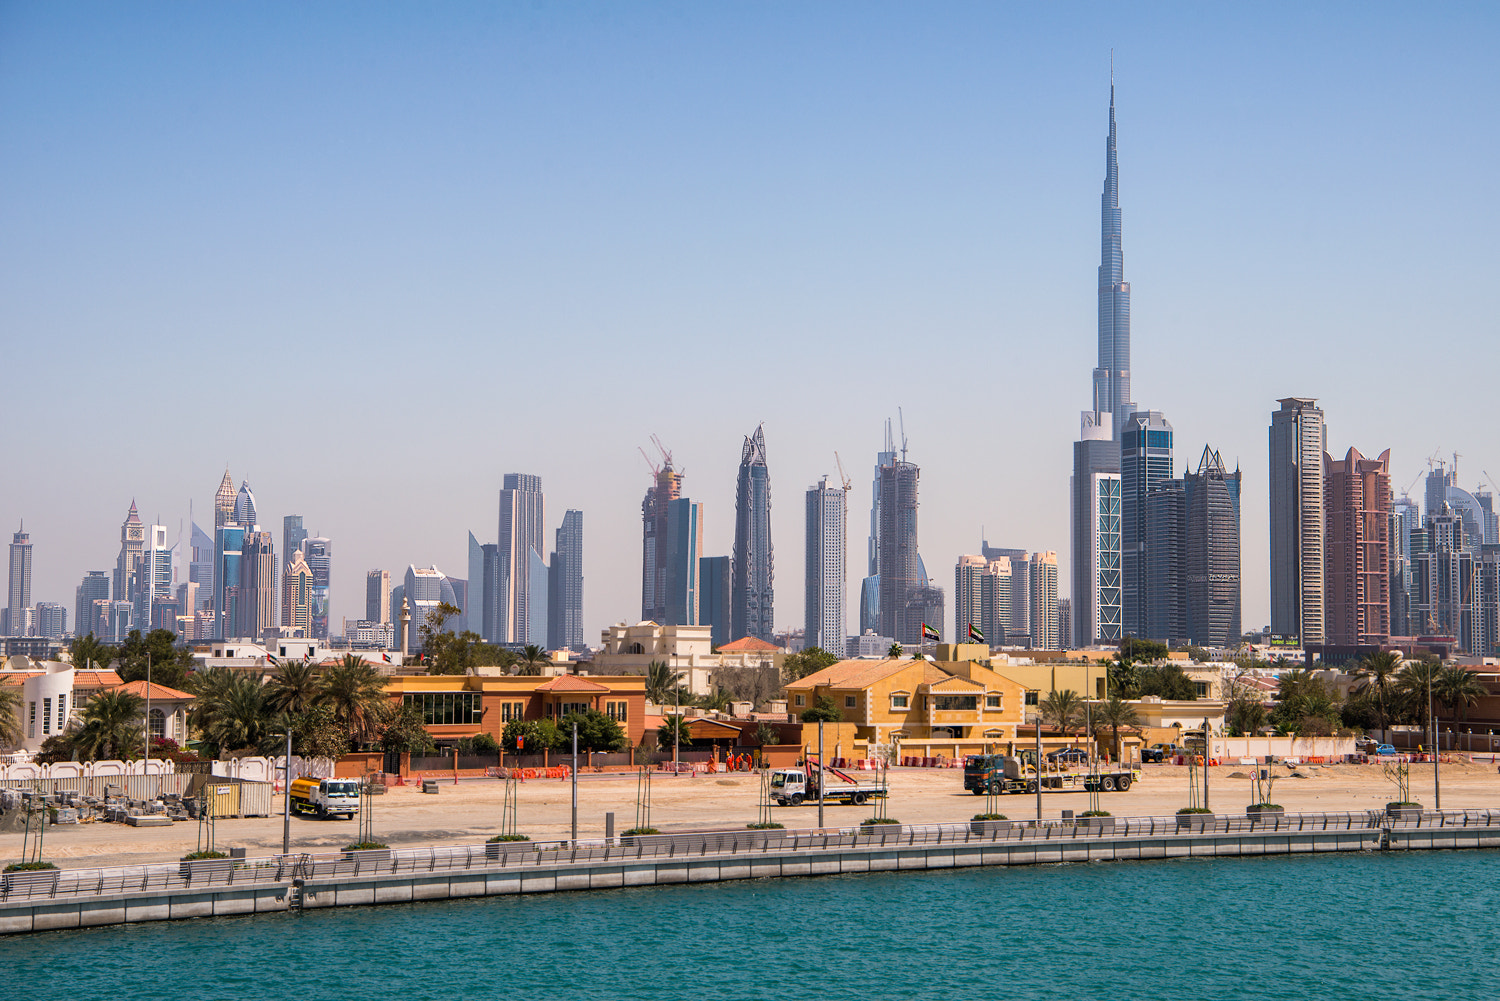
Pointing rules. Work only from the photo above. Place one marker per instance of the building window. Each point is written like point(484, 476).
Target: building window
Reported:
point(1031, 698)
point(900, 701)
point(851, 701)
point(446, 708)
point(802, 700)
point(62, 713)
point(158, 723)
point(569, 708)
point(510, 711)
point(992, 700)
point(1202, 688)
point(31, 726)
point(616, 711)
point(955, 703)
point(46, 716)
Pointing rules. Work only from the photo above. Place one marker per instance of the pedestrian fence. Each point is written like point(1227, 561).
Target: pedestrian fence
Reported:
point(282, 869)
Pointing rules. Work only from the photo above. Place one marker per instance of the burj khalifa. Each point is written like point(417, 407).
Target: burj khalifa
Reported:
point(1112, 376)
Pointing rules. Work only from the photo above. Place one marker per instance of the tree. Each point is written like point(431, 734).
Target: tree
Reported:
point(539, 734)
point(110, 726)
point(237, 715)
point(169, 663)
point(754, 685)
point(316, 733)
point(1305, 704)
point(1133, 649)
point(894, 653)
point(1245, 714)
point(766, 734)
point(673, 732)
point(1062, 708)
point(1416, 682)
point(533, 659)
point(1124, 679)
point(796, 666)
point(1167, 681)
point(456, 653)
point(825, 711)
point(596, 732)
point(1376, 671)
point(90, 654)
point(1458, 689)
point(11, 731)
point(663, 685)
point(1115, 713)
point(294, 688)
point(436, 624)
point(356, 692)
point(719, 699)
point(403, 729)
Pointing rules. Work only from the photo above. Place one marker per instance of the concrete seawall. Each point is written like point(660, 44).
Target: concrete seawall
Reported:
point(93, 898)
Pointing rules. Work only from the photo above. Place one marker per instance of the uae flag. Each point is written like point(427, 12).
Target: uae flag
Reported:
point(387, 657)
point(272, 658)
point(975, 634)
point(929, 633)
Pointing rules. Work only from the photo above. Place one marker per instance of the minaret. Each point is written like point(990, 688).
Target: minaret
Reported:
point(1112, 376)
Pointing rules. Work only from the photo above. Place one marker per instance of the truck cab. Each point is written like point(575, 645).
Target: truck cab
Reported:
point(792, 785)
point(323, 797)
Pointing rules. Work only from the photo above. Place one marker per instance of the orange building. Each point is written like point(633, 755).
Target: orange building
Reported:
point(455, 706)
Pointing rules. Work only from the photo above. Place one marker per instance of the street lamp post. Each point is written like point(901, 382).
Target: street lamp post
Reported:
point(286, 796)
point(575, 781)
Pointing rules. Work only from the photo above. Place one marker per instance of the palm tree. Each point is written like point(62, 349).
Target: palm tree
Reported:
point(111, 725)
point(90, 654)
point(1459, 689)
point(533, 659)
point(894, 653)
point(661, 682)
point(240, 716)
point(11, 731)
point(1416, 681)
point(1062, 708)
point(1115, 713)
point(294, 688)
point(356, 693)
point(1376, 670)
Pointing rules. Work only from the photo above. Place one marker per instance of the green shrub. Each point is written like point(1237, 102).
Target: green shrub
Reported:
point(195, 856)
point(29, 866)
point(768, 826)
point(365, 846)
point(507, 837)
point(1096, 813)
point(1194, 809)
point(990, 816)
point(636, 831)
point(876, 821)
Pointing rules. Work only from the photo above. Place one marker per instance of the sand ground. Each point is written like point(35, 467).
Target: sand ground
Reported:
point(471, 810)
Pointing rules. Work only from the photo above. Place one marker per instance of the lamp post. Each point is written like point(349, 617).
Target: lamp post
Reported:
point(286, 796)
point(1036, 719)
point(1437, 792)
point(676, 720)
point(821, 770)
point(1205, 763)
point(575, 781)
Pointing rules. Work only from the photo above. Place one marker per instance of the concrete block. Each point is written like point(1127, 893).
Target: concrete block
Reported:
point(668, 873)
point(542, 882)
point(400, 892)
point(353, 896)
point(881, 861)
point(734, 871)
point(198, 905)
point(606, 879)
point(46, 917)
point(703, 873)
point(148, 909)
point(467, 885)
point(158, 820)
point(824, 865)
point(236, 902)
point(765, 870)
point(793, 865)
point(16, 920)
point(501, 884)
point(638, 875)
point(572, 879)
point(854, 863)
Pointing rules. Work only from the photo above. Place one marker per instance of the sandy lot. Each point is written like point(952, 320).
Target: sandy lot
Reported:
point(470, 811)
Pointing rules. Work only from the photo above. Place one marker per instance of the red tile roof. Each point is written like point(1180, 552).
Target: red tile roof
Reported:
point(156, 691)
point(749, 644)
point(571, 683)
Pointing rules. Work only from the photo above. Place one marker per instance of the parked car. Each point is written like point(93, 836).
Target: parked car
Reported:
point(1384, 749)
point(1365, 745)
point(1156, 752)
point(1070, 756)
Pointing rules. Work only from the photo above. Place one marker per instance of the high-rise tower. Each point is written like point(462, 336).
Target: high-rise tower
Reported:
point(665, 488)
point(1145, 461)
point(1357, 582)
point(132, 548)
point(827, 546)
point(224, 501)
point(522, 512)
point(565, 603)
point(869, 589)
point(1112, 376)
point(900, 565)
point(1298, 441)
point(20, 583)
point(751, 588)
point(319, 555)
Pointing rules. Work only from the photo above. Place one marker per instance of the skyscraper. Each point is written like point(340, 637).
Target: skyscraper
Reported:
point(292, 534)
point(869, 588)
point(522, 521)
point(154, 581)
point(20, 583)
point(377, 594)
point(423, 589)
point(1112, 376)
point(1405, 518)
point(1357, 581)
point(684, 548)
point(1042, 581)
point(1443, 580)
point(318, 552)
point(1098, 603)
point(201, 567)
point(1145, 460)
point(224, 501)
point(94, 587)
point(1211, 552)
point(1298, 439)
point(132, 547)
point(982, 600)
point(752, 599)
point(51, 619)
point(899, 563)
point(244, 507)
point(1166, 563)
point(229, 541)
point(713, 597)
point(825, 624)
point(296, 593)
point(565, 603)
point(666, 487)
point(257, 599)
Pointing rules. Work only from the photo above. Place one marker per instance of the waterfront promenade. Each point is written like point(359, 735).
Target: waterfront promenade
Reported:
point(76, 898)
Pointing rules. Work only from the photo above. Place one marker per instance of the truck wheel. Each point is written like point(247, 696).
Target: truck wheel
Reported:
point(322, 813)
point(1124, 783)
point(1107, 783)
point(1031, 786)
point(994, 788)
point(979, 791)
point(860, 799)
point(796, 799)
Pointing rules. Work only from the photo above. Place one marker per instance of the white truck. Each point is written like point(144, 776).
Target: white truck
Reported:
point(795, 786)
point(324, 797)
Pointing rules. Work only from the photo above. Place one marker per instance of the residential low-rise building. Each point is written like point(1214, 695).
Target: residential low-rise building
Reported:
point(455, 706)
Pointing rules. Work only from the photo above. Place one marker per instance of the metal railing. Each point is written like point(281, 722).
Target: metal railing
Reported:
point(529, 855)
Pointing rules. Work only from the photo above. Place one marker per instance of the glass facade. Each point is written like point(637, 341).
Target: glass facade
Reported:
point(447, 708)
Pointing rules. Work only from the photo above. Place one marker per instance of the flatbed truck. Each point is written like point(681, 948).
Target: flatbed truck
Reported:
point(1002, 773)
point(796, 786)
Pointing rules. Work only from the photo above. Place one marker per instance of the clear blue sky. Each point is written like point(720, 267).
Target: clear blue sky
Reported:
point(374, 256)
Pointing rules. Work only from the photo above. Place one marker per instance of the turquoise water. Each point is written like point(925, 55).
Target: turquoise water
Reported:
point(1359, 926)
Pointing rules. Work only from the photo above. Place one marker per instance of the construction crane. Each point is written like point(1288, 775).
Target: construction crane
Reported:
point(655, 471)
point(666, 455)
point(842, 475)
point(902, 417)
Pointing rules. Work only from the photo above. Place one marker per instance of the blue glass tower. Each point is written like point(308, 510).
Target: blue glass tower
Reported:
point(1145, 461)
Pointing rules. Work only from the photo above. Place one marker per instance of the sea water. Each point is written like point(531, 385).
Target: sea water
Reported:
point(1357, 925)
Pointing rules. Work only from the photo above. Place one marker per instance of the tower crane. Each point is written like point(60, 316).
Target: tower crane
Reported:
point(655, 471)
point(665, 454)
point(842, 475)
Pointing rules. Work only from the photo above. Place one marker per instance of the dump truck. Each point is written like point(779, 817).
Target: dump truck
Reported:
point(1003, 773)
point(323, 797)
point(795, 786)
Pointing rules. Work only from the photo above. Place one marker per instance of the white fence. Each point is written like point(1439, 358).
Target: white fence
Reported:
point(252, 769)
point(1231, 748)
